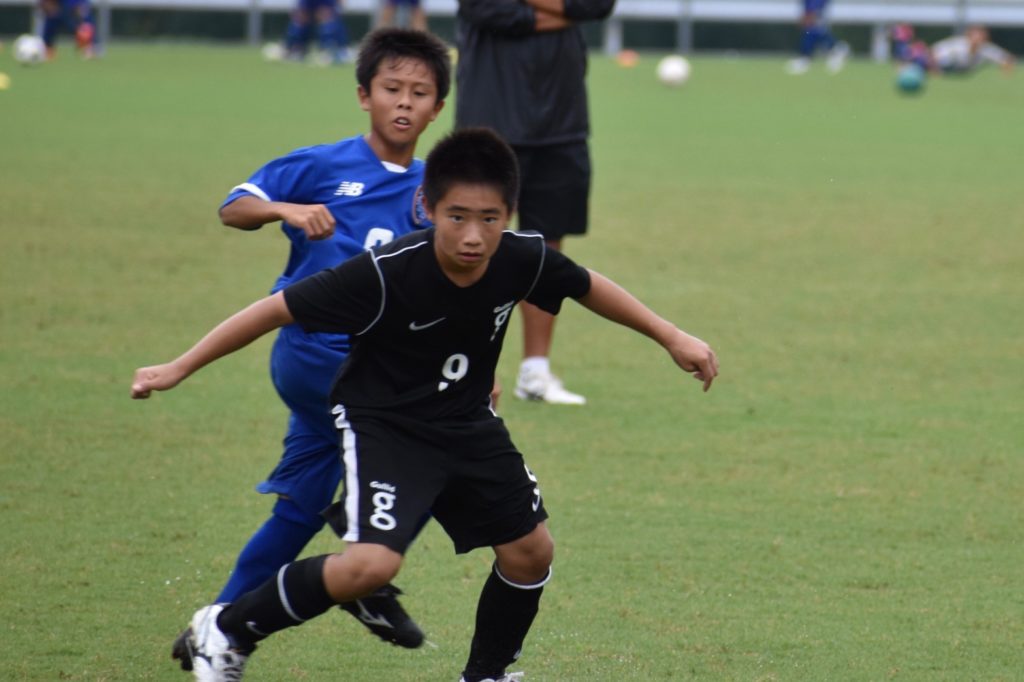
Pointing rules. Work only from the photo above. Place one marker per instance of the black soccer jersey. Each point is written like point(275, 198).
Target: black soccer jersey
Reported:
point(420, 343)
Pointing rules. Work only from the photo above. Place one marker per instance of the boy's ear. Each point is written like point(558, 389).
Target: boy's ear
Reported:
point(437, 110)
point(364, 98)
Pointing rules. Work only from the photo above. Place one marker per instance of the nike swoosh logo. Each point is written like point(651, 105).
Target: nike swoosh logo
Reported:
point(418, 327)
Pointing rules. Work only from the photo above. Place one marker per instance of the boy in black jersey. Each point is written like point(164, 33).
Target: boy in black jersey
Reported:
point(427, 314)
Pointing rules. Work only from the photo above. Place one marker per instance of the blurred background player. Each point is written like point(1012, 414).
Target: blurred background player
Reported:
point(74, 16)
point(522, 72)
point(414, 15)
point(817, 34)
point(334, 201)
point(331, 34)
point(960, 54)
point(966, 53)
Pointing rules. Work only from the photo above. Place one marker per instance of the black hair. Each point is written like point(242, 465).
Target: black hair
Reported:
point(399, 43)
point(471, 156)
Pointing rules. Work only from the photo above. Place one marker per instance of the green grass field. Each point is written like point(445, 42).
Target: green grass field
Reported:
point(845, 504)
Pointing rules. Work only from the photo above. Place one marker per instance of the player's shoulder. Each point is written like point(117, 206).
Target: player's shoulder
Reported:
point(330, 151)
point(522, 244)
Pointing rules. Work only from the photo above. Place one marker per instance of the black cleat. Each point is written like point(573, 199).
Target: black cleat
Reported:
point(181, 651)
point(384, 616)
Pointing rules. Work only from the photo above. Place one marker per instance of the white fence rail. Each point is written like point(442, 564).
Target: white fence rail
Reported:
point(878, 14)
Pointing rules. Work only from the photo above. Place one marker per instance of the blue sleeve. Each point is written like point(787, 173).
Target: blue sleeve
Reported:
point(504, 17)
point(289, 178)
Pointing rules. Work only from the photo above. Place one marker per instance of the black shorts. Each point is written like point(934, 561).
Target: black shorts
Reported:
point(554, 196)
point(466, 472)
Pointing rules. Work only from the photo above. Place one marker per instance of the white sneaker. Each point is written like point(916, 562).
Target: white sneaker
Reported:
point(213, 659)
point(507, 677)
point(836, 59)
point(798, 66)
point(539, 385)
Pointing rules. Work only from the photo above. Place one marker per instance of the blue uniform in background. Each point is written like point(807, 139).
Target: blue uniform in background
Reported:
point(330, 30)
point(74, 16)
point(816, 32)
point(372, 203)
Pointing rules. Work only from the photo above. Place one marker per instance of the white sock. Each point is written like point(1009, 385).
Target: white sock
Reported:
point(537, 363)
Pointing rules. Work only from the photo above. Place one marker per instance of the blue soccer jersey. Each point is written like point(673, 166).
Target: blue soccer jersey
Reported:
point(372, 202)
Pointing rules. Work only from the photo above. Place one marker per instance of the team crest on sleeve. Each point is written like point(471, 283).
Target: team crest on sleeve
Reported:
point(419, 207)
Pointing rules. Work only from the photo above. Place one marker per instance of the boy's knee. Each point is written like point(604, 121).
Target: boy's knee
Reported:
point(528, 559)
point(360, 570)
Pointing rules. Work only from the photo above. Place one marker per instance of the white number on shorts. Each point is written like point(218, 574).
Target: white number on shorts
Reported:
point(455, 367)
point(382, 503)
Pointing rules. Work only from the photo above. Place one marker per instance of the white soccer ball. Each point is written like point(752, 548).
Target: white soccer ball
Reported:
point(674, 70)
point(29, 49)
point(273, 52)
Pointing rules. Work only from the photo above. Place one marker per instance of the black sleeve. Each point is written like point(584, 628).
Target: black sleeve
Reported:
point(504, 17)
point(587, 10)
point(346, 299)
point(559, 278)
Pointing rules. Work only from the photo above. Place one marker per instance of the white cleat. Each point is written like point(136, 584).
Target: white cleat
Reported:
point(507, 677)
point(213, 658)
point(837, 56)
point(546, 387)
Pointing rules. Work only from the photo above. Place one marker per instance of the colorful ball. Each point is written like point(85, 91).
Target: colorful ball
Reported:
point(910, 79)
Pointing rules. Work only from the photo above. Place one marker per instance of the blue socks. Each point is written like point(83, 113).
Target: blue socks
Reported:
point(275, 544)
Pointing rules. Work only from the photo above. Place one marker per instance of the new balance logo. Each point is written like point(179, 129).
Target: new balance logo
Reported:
point(349, 189)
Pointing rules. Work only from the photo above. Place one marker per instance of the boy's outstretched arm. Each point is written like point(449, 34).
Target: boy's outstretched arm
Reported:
point(237, 331)
point(251, 213)
point(608, 299)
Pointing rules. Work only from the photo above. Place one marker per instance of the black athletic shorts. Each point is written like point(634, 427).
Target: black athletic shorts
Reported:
point(554, 194)
point(466, 472)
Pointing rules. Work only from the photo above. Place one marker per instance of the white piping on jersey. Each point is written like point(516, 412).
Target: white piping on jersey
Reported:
point(380, 275)
point(540, 266)
point(350, 456)
point(251, 189)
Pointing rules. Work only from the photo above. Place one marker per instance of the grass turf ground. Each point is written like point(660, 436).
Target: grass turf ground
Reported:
point(845, 503)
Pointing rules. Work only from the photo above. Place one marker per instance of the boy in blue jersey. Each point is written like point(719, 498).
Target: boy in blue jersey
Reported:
point(335, 201)
point(815, 33)
point(331, 33)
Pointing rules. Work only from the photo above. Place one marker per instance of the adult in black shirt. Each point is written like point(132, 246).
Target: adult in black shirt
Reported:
point(521, 71)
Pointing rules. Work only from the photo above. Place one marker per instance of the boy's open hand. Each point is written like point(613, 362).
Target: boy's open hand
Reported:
point(155, 378)
point(694, 356)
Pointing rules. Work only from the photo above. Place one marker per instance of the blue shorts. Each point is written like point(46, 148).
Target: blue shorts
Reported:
point(406, 3)
point(302, 367)
point(814, 6)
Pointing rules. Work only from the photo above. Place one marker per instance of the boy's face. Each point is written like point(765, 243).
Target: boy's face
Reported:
point(469, 220)
point(402, 101)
